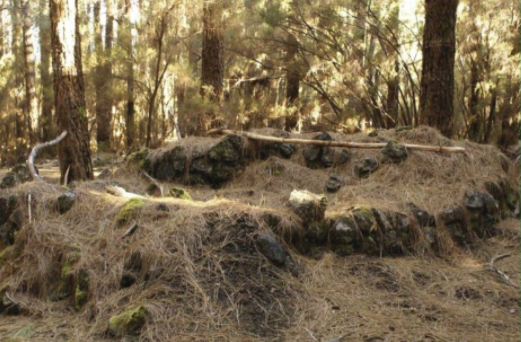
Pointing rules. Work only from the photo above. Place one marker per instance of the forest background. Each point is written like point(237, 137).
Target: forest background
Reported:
point(155, 71)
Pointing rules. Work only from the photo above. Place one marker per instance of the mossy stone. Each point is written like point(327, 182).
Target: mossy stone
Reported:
point(65, 285)
point(224, 151)
point(10, 180)
point(140, 158)
point(129, 210)
point(393, 153)
point(128, 322)
point(180, 193)
point(65, 201)
point(82, 289)
point(366, 166)
point(343, 236)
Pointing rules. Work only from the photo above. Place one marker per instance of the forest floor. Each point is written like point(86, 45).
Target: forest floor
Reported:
point(194, 268)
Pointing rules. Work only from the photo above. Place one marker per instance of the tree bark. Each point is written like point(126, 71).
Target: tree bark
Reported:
point(213, 51)
point(292, 80)
point(46, 78)
point(439, 47)
point(31, 104)
point(104, 82)
point(69, 90)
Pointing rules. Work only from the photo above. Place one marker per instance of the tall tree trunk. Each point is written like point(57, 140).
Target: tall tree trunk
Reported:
point(213, 51)
point(69, 91)
point(439, 47)
point(16, 48)
point(104, 82)
point(292, 79)
point(31, 104)
point(129, 47)
point(46, 78)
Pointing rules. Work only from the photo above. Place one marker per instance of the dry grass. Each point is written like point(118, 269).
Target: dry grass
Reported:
point(202, 279)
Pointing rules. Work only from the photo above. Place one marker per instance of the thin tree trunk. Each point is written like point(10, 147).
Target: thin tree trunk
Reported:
point(104, 74)
point(46, 78)
point(213, 51)
point(292, 80)
point(439, 47)
point(69, 90)
point(31, 104)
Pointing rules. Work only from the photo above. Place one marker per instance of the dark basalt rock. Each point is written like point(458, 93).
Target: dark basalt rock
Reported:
point(170, 165)
point(334, 183)
point(287, 150)
point(454, 218)
point(366, 166)
point(311, 209)
point(393, 153)
point(423, 217)
point(344, 236)
point(272, 249)
point(65, 201)
point(332, 156)
point(483, 211)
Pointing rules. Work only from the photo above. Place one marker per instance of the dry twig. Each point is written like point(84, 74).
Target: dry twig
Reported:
point(490, 266)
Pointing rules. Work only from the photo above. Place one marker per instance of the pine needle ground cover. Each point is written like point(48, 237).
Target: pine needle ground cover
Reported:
point(273, 243)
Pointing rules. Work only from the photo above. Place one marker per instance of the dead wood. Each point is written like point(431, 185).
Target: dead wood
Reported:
point(34, 152)
point(334, 143)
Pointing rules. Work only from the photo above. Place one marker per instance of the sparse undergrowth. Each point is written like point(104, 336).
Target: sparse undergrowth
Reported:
point(257, 261)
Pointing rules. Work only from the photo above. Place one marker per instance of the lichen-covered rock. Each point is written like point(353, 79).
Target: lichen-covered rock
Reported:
point(366, 222)
point(423, 217)
point(344, 236)
point(129, 210)
point(332, 156)
point(170, 165)
point(393, 153)
point(272, 249)
point(180, 193)
point(140, 158)
point(334, 183)
point(81, 295)
point(455, 220)
point(10, 219)
point(227, 150)
point(65, 285)
point(10, 180)
point(287, 150)
point(65, 201)
point(366, 166)
point(311, 209)
point(128, 322)
point(483, 212)
point(308, 206)
point(313, 154)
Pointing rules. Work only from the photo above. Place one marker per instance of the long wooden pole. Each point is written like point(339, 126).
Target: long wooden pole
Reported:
point(335, 143)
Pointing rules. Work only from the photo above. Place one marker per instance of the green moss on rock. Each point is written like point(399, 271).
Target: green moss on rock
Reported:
point(129, 210)
point(66, 277)
point(128, 322)
point(180, 193)
point(82, 289)
point(140, 158)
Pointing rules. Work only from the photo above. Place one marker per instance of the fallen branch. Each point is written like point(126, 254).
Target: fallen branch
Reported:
point(334, 143)
point(34, 152)
point(130, 230)
point(490, 266)
point(155, 182)
point(119, 191)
